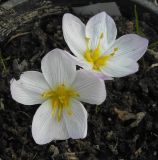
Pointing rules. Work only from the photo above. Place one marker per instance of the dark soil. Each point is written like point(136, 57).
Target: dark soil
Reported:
point(124, 127)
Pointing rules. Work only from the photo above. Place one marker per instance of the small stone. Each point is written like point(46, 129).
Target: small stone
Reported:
point(154, 105)
point(109, 119)
point(97, 147)
point(15, 65)
point(110, 135)
point(155, 153)
point(53, 150)
point(23, 65)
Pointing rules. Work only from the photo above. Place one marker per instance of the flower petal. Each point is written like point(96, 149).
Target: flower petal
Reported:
point(99, 24)
point(131, 46)
point(103, 76)
point(34, 81)
point(90, 88)
point(74, 34)
point(120, 67)
point(23, 95)
point(77, 122)
point(80, 62)
point(58, 68)
point(45, 128)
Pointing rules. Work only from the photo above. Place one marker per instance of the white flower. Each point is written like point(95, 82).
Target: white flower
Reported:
point(58, 89)
point(97, 49)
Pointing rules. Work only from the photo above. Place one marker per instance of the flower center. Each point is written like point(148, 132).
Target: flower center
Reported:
point(60, 97)
point(95, 57)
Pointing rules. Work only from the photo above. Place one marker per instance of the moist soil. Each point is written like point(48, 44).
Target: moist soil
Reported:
point(124, 127)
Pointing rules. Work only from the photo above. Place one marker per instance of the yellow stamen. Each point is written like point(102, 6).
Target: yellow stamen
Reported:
point(113, 53)
point(87, 43)
point(95, 57)
point(54, 109)
point(60, 97)
point(69, 110)
point(59, 113)
point(100, 38)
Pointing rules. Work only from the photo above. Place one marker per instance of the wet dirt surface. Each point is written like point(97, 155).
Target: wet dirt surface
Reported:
point(124, 127)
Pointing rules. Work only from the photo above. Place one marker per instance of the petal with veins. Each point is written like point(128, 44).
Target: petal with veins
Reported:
point(23, 95)
point(74, 34)
point(58, 68)
point(76, 123)
point(130, 46)
point(102, 76)
point(120, 67)
point(90, 88)
point(101, 24)
point(45, 127)
point(34, 81)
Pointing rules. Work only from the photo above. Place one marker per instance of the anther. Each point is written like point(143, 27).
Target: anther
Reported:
point(101, 35)
point(113, 53)
point(100, 38)
point(87, 43)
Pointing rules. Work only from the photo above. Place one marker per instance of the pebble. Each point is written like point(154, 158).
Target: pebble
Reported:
point(53, 150)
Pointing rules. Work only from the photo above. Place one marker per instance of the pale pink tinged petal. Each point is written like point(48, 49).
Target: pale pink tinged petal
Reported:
point(120, 68)
point(98, 24)
point(58, 68)
point(45, 127)
point(23, 95)
point(76, 123)
point(91, 89)
point(131, 46)
point(103, 76)
point(74, 34)
point(34, 81)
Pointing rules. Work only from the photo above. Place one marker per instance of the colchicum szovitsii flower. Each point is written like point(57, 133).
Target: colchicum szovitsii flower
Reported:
point(97, 49)
point(59, 89)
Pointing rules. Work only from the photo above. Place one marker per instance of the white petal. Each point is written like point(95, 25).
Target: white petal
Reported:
point(90, 88)
point(103, 76)
point(34, 81)
point(131, 46)
point(58, 68)
point(98, 24)
point(74, 34)
point(120, 67)
point(77, 122)
point(23, 95)
point(45, 127)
